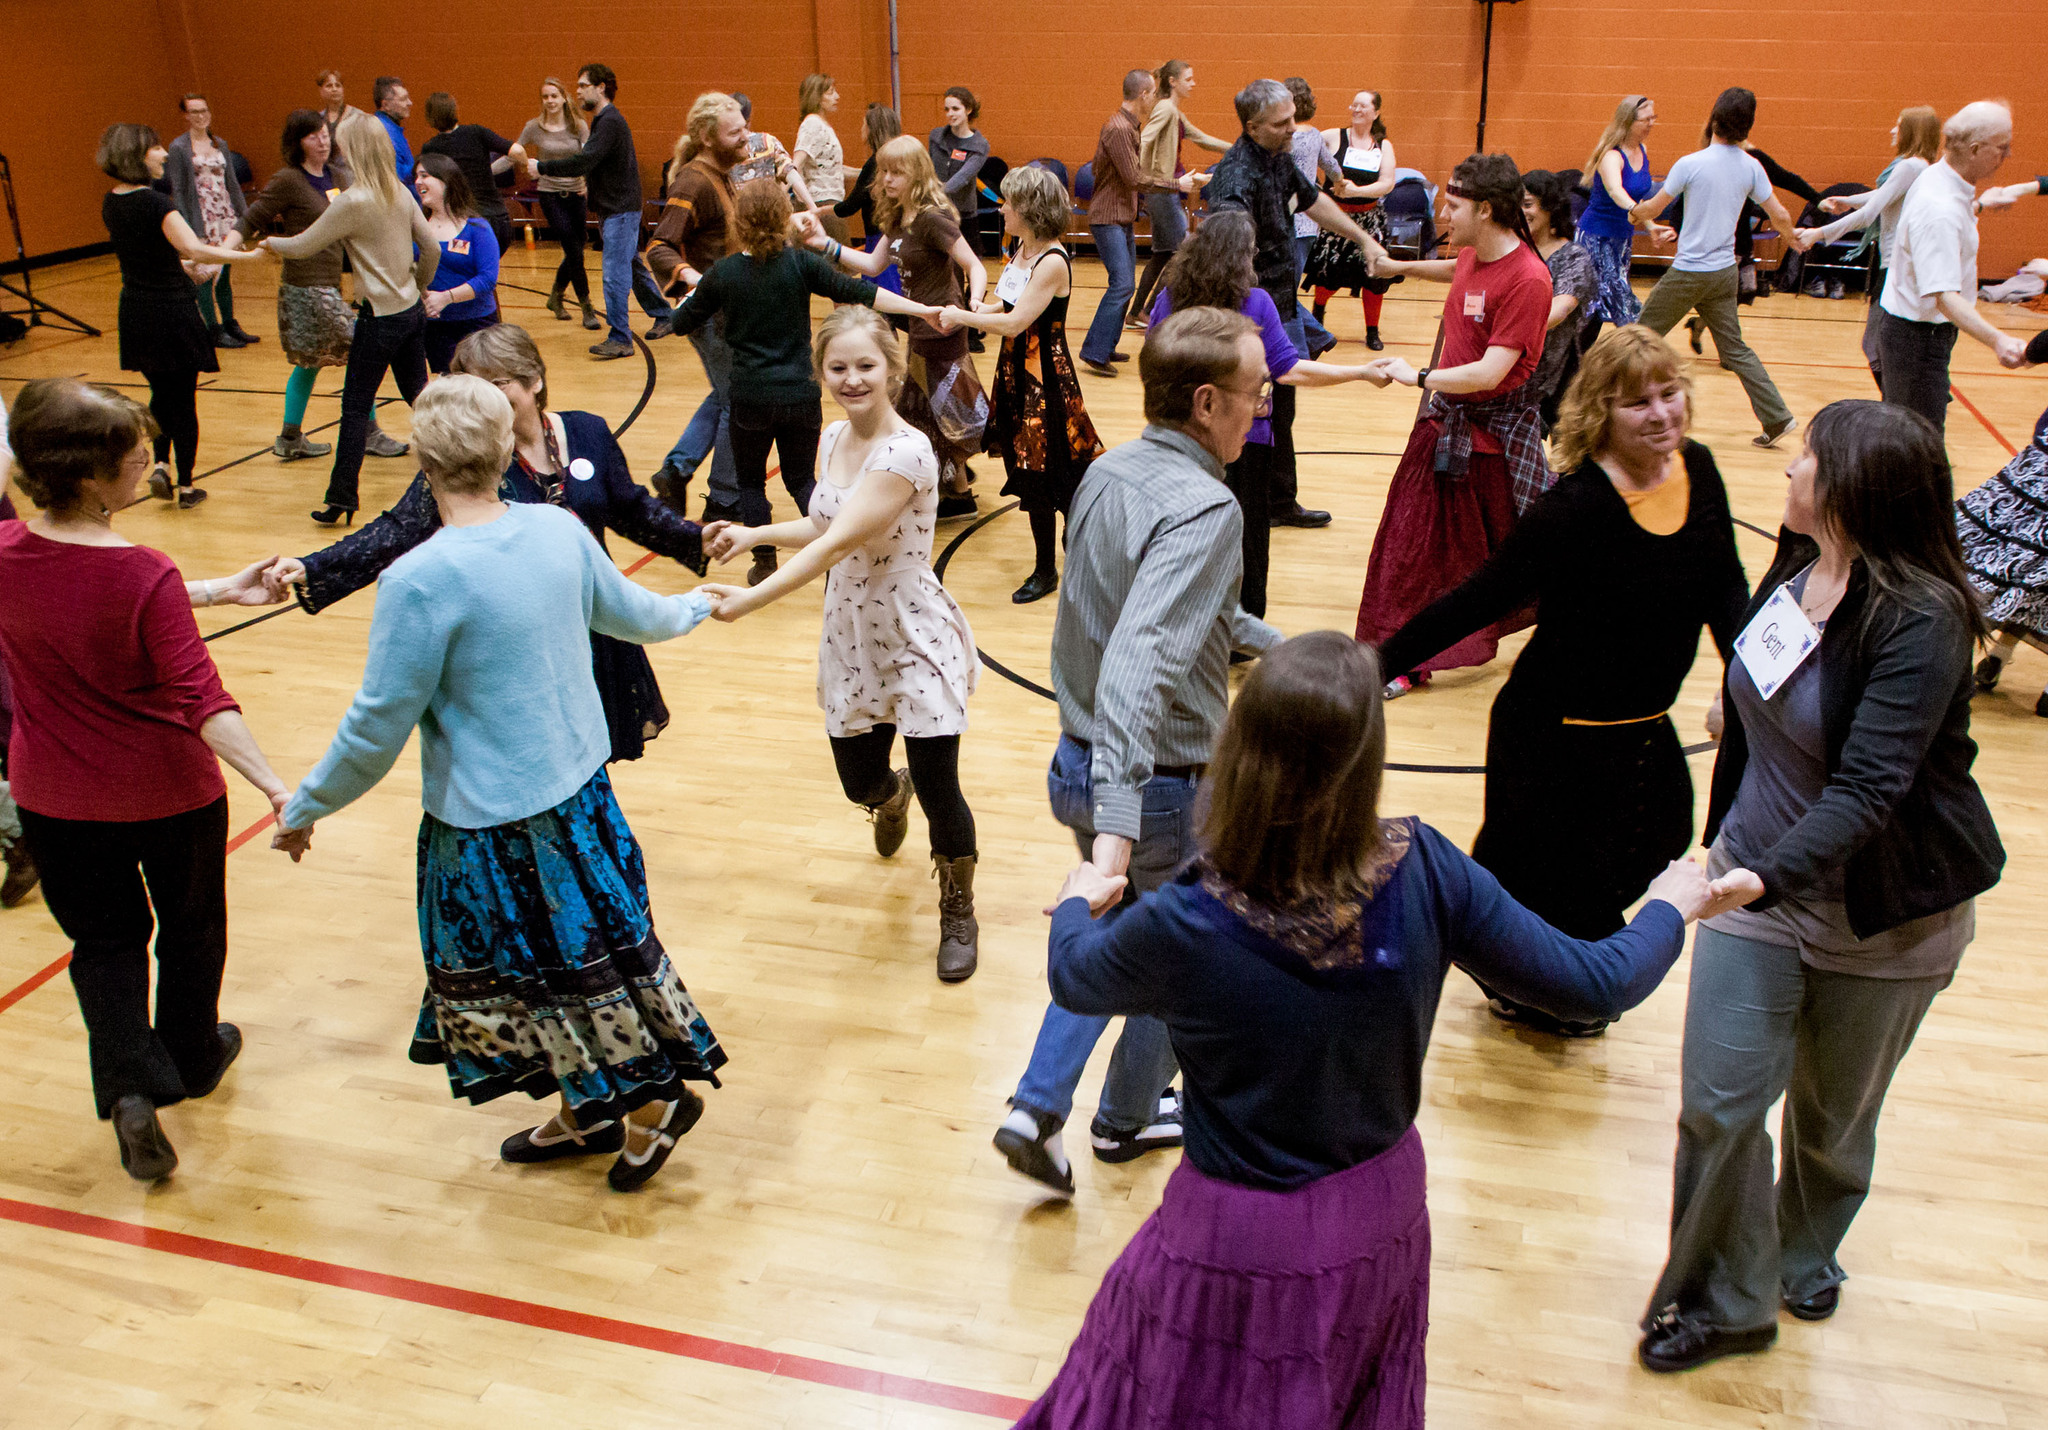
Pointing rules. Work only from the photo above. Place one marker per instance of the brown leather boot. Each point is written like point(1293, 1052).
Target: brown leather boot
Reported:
point(21, 875)
point(959, 932)
point(892, 816)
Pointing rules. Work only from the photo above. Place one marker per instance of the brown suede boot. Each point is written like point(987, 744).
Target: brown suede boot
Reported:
point(21, 875)
point(959, 932)
point(892, 816)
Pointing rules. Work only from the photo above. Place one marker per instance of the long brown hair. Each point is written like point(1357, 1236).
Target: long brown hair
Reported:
point(1213, 267)
point(1290, 810)
point(1616, 133)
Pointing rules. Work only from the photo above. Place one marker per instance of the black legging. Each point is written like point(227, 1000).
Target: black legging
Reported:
point(1250, 480)
point(863, 762)
point(792, 429)
point(565, 216)
point(174, 403)
point(397, 345)
point(1044, 531)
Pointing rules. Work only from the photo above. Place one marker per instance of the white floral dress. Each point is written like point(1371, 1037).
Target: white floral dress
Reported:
point(895, 648)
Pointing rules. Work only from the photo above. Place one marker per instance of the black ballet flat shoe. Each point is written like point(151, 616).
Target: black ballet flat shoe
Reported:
point(335, 516)
point(629, 1175)
point(230, 1049)
point(529, 1147)
point(1678, 1343)
point(222, 338)
point(1987, 673)
point(1697, 328)
point(1817, 1307)
point(1036, 587)
point(1372, 340)
point(234, 329)
point(2041, 705)
point(146, 1154)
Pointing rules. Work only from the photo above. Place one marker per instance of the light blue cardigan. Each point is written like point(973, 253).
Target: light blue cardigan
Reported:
point(481, 639)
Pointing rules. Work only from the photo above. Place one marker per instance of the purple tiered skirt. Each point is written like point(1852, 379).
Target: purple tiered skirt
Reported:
point(1234, 1307)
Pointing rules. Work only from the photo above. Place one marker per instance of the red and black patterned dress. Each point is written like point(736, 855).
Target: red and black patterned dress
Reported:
point(1038, 423)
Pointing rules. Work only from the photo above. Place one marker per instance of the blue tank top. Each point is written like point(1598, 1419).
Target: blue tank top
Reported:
point(1602, 217)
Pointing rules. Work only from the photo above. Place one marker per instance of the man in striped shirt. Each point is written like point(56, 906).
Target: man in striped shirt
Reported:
point(1141, 650)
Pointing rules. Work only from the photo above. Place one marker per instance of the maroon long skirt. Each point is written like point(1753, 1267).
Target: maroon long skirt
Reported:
point(1234, 1308)
point(1435, 532)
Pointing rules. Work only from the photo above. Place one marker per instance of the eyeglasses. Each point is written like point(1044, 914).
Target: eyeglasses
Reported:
point(1262, 398)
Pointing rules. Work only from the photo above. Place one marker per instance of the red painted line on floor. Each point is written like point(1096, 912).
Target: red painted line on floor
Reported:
point(638, 564)
point(252, 831)
point(35, 980)
point(1957, 393)
point(520, 1313)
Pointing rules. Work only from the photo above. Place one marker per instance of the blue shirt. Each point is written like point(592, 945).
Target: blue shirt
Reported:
point(470, 257)
point(401, 150)
point(1301, 1041)
point(1604, 218)
point(481, 640)
point(1716, 181)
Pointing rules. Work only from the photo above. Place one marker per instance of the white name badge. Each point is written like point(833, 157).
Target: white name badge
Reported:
point(1776, 642)
point(582, 469)
point(1010, 287)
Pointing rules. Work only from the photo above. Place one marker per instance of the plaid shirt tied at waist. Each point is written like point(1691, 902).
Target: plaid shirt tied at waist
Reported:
point(1511, 420)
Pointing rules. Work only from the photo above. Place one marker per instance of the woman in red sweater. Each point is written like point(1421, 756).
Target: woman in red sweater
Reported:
point(118, 715)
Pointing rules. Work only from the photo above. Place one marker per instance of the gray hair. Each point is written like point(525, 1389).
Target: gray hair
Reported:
point(1259, 96)
point(1976, 122)
point(462, 434)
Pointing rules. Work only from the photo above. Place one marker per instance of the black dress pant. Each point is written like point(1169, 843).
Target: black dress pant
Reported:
point(100, 881)
point(1250, 479)
point(1286, 490)
point(566, 215)
point(397, 345)
point(792, 429)
point(1912, 364)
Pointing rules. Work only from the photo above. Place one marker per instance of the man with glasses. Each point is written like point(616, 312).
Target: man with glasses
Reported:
point(1930, 290)
point(394, 107)
point(611, 173)
point(1148, 620)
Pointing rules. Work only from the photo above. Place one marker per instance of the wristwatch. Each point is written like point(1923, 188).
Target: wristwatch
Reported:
point(1422, 376)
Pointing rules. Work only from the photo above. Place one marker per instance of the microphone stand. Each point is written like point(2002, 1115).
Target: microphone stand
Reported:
point(37, 308)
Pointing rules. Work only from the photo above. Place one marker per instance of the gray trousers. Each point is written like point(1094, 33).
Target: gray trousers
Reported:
point(1712, 296)
point(1758, 1023)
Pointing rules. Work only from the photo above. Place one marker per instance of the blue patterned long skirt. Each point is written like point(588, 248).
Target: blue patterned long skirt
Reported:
point(1614, 302)
point(544, 973)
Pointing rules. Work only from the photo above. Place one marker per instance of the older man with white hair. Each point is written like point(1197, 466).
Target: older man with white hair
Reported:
point(1931, 291)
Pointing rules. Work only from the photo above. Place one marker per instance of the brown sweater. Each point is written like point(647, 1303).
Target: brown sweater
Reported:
point(696, 221)
point(290, 204)
point(395, 253)
point(1118, 179)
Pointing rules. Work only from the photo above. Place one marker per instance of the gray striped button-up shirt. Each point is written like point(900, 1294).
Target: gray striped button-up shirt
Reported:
point(1148, 616)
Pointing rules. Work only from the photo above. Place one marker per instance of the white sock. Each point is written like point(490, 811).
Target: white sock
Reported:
point(1024, 1124)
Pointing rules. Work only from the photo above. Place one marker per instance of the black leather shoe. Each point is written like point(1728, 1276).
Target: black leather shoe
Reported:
point(1300, 516)
point(234, 329)
point(230, 1049)
point(630, 1173)
point(526, 1147)
point(1039, 585)
point(146, 1154)
point(1098, 369)
point(1119, 357)
point(1682, 1342)
point(1030, 1157)
point(1988, 671)
point(1372, 340)
point(1819, 1306)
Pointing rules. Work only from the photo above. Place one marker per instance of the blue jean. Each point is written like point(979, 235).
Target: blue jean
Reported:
point(1118, 249)
point(709, 430)
point(1318, 336)
point(625, 269)
point(1143, 1065)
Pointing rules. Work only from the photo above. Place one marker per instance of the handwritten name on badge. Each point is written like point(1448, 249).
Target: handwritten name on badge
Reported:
point(1776, 642)
point(458, 245)
point(1475, 305)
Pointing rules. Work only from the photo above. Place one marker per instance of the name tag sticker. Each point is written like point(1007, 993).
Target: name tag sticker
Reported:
point(458, 245)
point(1776, 642)
point(1010, 287)
point(581, 469)
point(959, 156)
point(1475, 304)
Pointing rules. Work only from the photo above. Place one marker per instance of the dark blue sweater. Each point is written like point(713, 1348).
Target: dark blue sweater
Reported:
point(1291, 1072)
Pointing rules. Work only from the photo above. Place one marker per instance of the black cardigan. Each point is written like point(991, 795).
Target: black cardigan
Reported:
point(1900, 809)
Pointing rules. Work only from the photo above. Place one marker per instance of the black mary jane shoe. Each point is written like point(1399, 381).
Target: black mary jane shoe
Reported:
point(146, 1154)
point(1678, 1343)
point(335, 516)
point(628, 1174)
point(530, 1146)
point(1030, 1157)
point(230, 1049)
point(1987, 673)
point(1817, 1307)
point(1036, 587)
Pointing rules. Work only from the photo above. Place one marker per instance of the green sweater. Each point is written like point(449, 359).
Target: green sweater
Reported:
point(767, 307)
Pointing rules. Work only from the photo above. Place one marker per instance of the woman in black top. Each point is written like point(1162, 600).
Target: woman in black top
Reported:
point(567, 458)
point(482, 155)
point(880, 126)
point(1625, 558)
point(1848, 844)
point(163, 336)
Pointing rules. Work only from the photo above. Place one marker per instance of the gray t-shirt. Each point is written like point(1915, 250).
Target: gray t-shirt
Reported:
point(1786, 773)
point(1716, 181)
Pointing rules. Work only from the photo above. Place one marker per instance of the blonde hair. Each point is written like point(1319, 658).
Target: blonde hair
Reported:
point(906, 155)
point(810, 95)
point(462, 434)
point(569, 115)
point(1616, 132)
point(1626, 361)
point(501, 351)
point(1039, 199)
point(372, 164)
point(705, 112)
point(1920, 133)
point(854, 318)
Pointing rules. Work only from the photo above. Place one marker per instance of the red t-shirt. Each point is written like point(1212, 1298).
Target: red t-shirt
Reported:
point(110, 680)
point(1502, 304)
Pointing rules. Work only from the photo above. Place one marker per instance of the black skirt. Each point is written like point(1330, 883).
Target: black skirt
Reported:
point(163, 332)
point(633, 707)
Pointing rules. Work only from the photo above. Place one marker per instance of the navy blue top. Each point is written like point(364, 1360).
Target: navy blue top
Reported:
point(470, 257)
point(1296, 1064)
point(1603, 216)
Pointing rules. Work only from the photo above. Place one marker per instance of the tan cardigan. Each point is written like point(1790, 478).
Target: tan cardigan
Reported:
point(394, 252)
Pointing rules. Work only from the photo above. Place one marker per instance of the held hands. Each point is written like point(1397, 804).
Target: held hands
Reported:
point(280, 576)
point(2011, 351)
point(1807, 236)
point(728, 603)
point(1716, 721)
point(295, 842)
point(249, 586)
point(1684, 886)
point(433, 303)
point(806, 224)
point(949, 319)
point(1733, 890)
point(724, 540)
point(1375, 372)
point(1102, 891)
point(1837, 206)
point(1397, 369)
point(1663, 233)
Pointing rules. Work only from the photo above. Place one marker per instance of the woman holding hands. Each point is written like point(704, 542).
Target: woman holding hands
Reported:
point(1618, 170)
point(895, 652)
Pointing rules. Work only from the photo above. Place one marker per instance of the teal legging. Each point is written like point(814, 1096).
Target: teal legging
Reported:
point(298, 390)
point(217, 291)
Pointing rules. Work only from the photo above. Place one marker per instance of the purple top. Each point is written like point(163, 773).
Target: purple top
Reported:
point(1280, 352)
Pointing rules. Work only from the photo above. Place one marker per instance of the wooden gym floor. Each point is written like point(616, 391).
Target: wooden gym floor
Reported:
point(837, 1244)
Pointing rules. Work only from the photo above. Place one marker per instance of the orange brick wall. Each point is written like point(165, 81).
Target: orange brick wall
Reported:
point(1830, 75)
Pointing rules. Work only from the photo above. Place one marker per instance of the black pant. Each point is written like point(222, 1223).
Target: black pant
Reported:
point(1912, 361)
point(501, 229)
point(398, 345)
point(1286, 491)
point(863, 762)
point(565, 214)
point(174, 403)
point(792, 429)
point(94, 879)
point(445, 335)
point(1250, 479)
